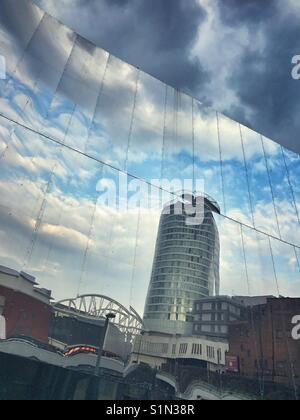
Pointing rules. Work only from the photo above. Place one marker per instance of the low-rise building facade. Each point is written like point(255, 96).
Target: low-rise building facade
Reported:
point(263, 344)
point(157, 350)
point(25, 308)
point(213, 315)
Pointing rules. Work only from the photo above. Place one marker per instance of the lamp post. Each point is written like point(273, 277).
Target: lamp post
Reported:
point(93, 390)
point(109, 317)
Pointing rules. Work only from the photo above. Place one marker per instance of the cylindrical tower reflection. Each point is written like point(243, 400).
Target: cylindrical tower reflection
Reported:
point(186, 265)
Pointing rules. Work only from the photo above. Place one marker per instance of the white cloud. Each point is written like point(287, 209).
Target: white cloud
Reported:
point(219, 60)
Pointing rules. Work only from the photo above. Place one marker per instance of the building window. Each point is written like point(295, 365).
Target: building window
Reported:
point(197, 349)
point(183, 348)
point(206, 328)
point(210, 352)
point(224, 329)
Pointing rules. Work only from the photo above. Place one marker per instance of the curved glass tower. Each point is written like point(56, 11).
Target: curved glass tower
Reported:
point(186, 265)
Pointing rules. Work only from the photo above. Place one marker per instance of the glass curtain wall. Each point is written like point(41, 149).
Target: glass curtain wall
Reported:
point(91, 151)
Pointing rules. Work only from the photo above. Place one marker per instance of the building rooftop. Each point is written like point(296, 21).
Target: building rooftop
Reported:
point(14, 273)
point(188, 198)
point(27, 286)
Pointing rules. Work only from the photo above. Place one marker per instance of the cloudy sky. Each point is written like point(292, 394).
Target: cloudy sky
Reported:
point(99, 116)
point(233, 55)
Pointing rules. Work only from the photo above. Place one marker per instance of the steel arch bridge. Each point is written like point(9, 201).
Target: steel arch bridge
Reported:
point(97, 307)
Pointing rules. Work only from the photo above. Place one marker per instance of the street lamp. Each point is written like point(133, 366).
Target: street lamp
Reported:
point(109, 317)
point(93, 390)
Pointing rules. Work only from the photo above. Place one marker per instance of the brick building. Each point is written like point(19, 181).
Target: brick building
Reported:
point(25, 308)
point(262, 342)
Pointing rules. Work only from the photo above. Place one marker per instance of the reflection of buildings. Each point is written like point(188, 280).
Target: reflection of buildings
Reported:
point(206, 347)
point(60, 339)
point(26, 308)
point(255, 345)
point(158, 350)
point(262, 343)
point(186, 266)
point(58, 365)
point(185, 270)
point(30, 373)
point(80, 322)
point(212, 316)
point(26, 313)
point(247, 339)
point(68, 331)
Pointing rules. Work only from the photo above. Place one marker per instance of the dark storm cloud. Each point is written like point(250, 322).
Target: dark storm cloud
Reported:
point(156, 36)
point(167, 31)
point(262, 81)
point(237, 11)
point(22, 21)
point(19, 18)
